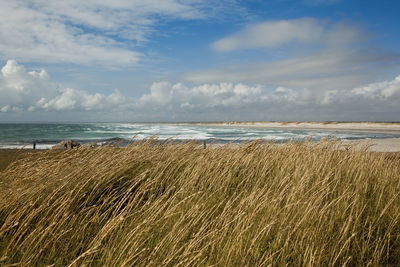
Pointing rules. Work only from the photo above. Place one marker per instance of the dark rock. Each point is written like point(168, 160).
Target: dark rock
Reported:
point(66, 144)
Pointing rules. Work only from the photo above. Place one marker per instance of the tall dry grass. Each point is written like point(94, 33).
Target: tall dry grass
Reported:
point(178, 205)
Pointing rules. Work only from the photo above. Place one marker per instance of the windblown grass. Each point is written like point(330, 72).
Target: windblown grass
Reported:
point(178, 205)
point(7, 156)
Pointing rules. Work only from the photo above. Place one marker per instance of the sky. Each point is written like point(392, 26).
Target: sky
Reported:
point(194, 60)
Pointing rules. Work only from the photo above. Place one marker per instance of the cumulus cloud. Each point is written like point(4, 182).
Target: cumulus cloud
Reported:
point(270, 34)
point(238, 101)
point(21, 90)
point(89, 32)
point(70, 99)
point(18, 87)
point(203, 96)
point(25, 92)
point(381, 90)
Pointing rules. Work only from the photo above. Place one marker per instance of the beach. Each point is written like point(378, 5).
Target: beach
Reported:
point(374, 144)
point(379, 127)
point(377, 145)
point(47, 135)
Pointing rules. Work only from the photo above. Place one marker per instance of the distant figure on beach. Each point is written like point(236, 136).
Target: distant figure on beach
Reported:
point(34, 145)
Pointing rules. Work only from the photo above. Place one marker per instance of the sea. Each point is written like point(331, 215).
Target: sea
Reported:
point(45, 135)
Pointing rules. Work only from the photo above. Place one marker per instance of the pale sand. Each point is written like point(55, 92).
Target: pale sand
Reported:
point(378, 145)
point(338, 126)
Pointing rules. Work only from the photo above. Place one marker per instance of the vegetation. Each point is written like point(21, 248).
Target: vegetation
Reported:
point(9, 155)
point(178, 205)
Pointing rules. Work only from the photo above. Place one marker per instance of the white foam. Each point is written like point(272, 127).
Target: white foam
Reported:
point(102, 131)
point(26, 146)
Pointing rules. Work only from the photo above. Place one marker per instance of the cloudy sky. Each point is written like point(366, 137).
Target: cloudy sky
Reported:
point(199, 60)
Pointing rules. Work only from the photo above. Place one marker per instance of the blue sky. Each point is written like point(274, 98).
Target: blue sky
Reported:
point(193, 60)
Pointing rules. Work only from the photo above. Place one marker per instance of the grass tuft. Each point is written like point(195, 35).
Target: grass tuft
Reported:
point(178, 205)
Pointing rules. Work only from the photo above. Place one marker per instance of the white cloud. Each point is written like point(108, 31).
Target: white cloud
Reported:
point(327, 61)
point(70, 99)
point(203, 96)
point(21, 90)
point(89, 32)
point(19, 87)
point(327, 70)
point(381, 90)
point(5, 108)
point(25, 92)
point(271, 34)
point(230, 101)
point(320, 56)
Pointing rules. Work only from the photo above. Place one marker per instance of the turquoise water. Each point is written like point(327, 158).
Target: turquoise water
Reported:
point(46, 135)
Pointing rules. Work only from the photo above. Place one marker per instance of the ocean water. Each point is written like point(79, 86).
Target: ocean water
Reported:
point(46, 135)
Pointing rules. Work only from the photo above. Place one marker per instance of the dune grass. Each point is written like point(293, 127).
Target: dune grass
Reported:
point(178, 205)
point(7, 156)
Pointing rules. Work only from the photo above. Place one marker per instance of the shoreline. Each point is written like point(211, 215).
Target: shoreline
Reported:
point(373, 127)
point(391, 144)
point(376, 143)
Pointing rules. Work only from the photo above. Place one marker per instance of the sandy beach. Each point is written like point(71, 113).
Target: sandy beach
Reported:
point(381, 127)
point(377, 145)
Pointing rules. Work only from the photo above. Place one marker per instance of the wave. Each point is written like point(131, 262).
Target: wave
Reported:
point(46, 135)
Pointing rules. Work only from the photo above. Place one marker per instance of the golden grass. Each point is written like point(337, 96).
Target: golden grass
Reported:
point(178, 205)
point(9, 155)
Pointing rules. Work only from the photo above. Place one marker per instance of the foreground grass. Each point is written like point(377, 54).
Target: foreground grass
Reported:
point(7, 156)
point(177, 205)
